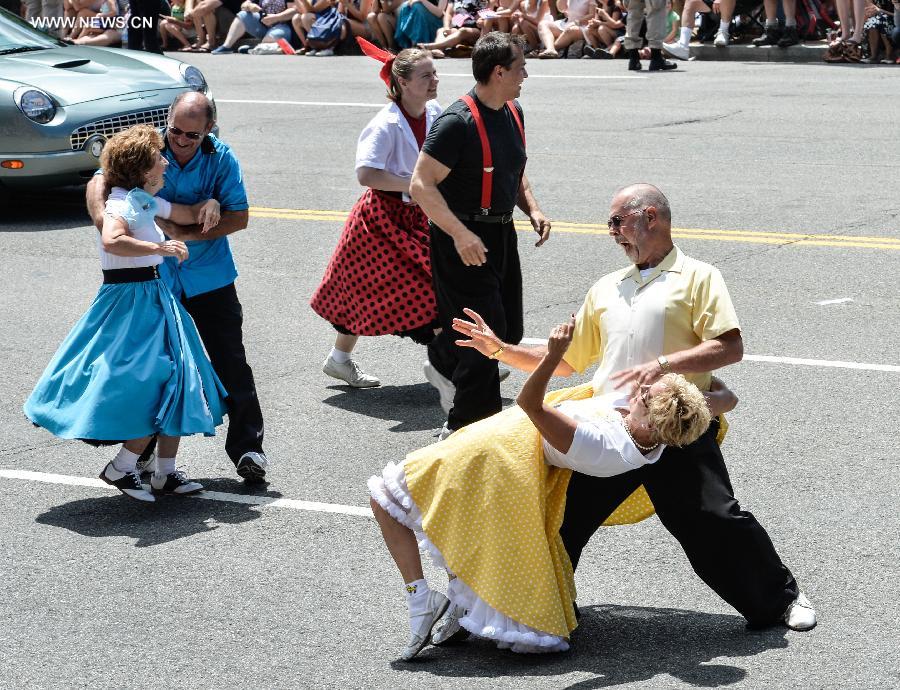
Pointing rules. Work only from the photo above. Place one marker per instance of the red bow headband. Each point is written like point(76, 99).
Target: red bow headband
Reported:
point(384, 56)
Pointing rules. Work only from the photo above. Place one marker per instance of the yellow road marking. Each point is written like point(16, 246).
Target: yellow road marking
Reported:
point(750, 236)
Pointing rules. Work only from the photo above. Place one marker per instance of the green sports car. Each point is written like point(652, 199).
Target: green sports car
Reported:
point(59, 103)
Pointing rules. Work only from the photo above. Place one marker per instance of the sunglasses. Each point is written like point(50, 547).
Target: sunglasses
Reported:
point(193, 136)
point(645, 395)
point(616, 221)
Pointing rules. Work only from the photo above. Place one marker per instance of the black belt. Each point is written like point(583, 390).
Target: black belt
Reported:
point(478, 218)
point(130, 275)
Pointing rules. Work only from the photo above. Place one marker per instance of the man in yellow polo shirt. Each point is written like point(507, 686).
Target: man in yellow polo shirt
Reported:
point(666, 312)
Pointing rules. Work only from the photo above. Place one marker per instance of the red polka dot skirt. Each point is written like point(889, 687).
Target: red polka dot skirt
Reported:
point(378, 281)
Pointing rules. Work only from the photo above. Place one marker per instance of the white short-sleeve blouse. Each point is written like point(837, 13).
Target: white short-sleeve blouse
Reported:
point(144, 229)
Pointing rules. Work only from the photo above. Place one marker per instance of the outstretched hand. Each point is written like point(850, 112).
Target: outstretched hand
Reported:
point(480, 335)
point(561, 338)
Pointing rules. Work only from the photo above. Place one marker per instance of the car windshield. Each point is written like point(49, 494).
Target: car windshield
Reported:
point(18, 36)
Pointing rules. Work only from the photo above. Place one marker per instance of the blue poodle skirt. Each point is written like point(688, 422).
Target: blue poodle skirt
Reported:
point(132, 366)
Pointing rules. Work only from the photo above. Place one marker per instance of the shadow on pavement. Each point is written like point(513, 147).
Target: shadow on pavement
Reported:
point(618, 645)
point(54, 209)
point(414, 408)
point(151, 524)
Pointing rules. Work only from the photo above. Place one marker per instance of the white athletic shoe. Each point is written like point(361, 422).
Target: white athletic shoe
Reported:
point(800, 615)
point(350, 373)
point(422, 625)
point(444, 386)
point(448, 628)
point(677, 50)
point(722, 39)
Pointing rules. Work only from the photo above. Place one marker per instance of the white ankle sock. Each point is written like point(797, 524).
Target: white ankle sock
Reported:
point(771, 23)
point(125, 460)
point(685, 38)
point(790, 22)
point(723, 26)
point(339, 356)
point(416, 602)
point(164, 466)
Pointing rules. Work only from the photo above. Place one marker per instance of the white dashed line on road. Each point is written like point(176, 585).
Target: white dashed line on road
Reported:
point(262, 501)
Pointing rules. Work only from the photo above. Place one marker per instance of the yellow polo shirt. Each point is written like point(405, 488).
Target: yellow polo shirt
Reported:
point(628, 319)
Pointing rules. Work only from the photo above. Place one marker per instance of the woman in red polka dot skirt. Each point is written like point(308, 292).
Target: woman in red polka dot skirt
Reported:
point(378, 281)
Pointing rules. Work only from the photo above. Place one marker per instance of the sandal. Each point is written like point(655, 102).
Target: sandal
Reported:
point(548, 55)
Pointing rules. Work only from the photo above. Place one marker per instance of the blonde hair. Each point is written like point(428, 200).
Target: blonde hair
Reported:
point(403, 66)
point(129, 155)
point(679, 412)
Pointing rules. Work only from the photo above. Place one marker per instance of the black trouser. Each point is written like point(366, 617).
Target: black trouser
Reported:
point(143, 27)
point(494, 291)
point(219, 319)
point(692, 494)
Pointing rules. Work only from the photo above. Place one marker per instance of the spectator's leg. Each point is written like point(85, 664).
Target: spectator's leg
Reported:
point(388, 24)
point(859, 18)
point(239, 27)
point(791, 36)
point(567, 38)
point(548, 32)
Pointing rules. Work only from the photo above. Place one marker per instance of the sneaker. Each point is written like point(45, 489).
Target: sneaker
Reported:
point(328, 52)
point(444, 386)
point(174, 483)
point(350, 373)
point(312, 52)
point(146, 465)
point(677, 50)
point(129, 483)
point(800, 615)
point(789, 38)
point(771, 36)
point(252, 467)
point(244, 49)
point(448, 628)
point(222, 50)
point(437, 605)
point(722, 39)
point(443, 432)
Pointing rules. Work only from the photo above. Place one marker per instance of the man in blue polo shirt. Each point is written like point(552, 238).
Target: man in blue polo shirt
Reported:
point(202, 167)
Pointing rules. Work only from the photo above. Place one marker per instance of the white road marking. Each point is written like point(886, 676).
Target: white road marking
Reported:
point(864, 366)
point(840, 300)
point(262, 501)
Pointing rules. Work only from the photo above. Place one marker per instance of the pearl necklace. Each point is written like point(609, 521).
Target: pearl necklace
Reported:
point(646, 449)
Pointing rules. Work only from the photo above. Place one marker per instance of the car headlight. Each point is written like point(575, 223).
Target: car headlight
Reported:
point(35, 104)
point(194, 78)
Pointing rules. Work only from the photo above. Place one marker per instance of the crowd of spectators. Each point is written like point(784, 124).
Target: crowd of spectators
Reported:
point(856, 30)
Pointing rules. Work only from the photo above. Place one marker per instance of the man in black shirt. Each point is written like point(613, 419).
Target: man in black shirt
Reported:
point(467, 180)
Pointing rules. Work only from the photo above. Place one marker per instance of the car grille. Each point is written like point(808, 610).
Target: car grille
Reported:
point(111, 125)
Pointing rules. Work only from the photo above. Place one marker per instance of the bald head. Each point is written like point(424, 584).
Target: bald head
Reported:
point(194, 105)
point(643, 195)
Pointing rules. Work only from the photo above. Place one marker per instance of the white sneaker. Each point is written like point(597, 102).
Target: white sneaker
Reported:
point(422, 625)
point(443, 432)
point(252, 467)
point(448, 628)
point(800, 615)
point(328, 52)
point(312, 53)
point(445, 386)
point(677, 50)
point(350, 373)
point(722, 39)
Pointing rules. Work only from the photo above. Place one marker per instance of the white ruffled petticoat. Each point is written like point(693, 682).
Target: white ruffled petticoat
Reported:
point(392, 494)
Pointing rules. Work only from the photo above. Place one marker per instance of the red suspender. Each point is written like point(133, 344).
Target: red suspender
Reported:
point(487, 175)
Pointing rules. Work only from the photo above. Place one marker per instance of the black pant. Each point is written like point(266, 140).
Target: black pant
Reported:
point(143, 27)
point(693, 497)
point(494, 291)
point(219, 319)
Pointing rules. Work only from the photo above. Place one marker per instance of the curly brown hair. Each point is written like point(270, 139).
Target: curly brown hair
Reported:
point(129, 155)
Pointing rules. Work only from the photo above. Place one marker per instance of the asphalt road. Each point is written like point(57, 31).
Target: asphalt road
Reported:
point(101, 592)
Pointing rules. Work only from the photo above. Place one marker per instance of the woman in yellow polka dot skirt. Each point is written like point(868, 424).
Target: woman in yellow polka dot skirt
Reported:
point(487, 503)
